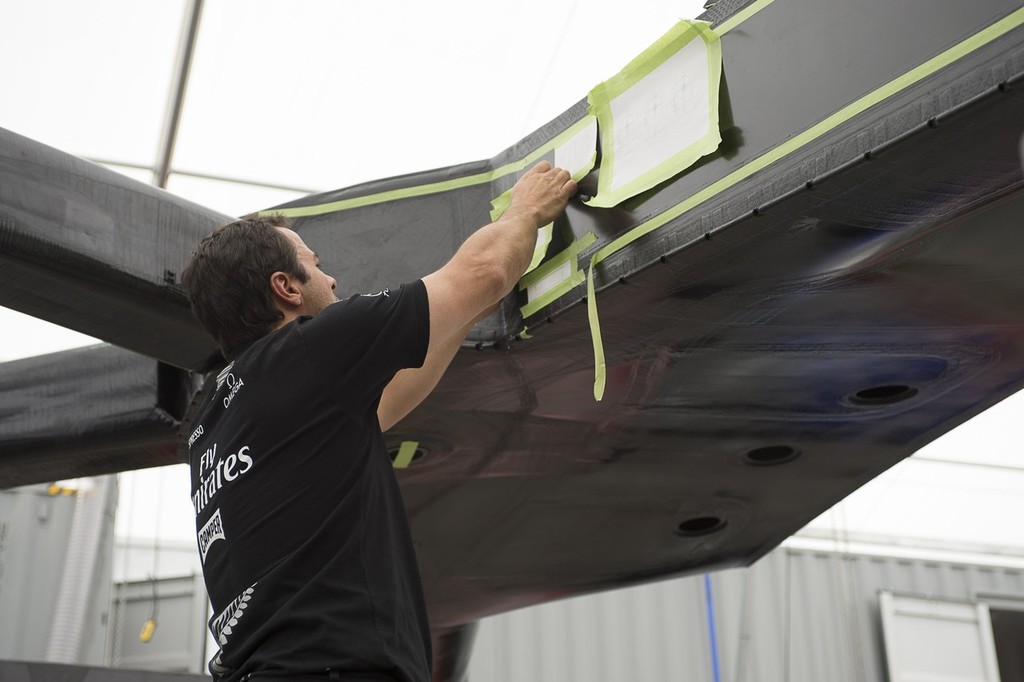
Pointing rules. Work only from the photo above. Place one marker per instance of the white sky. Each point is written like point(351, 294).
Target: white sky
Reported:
point(322, 95)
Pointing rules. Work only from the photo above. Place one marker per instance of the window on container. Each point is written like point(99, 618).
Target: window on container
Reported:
point(937, 639)
point(1008, 632)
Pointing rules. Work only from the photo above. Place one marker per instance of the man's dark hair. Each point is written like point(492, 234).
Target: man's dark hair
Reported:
point(227, 279)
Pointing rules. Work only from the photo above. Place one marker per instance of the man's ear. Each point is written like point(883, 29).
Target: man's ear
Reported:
point(284, 289)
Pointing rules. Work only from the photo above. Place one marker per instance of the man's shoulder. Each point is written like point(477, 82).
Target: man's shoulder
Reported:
point(383, 303)
point(389, 295)
point(386, 330)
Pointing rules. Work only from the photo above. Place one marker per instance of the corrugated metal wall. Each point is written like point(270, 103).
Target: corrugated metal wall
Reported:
point(35, 537)
point(179, 607)
point(795, 616)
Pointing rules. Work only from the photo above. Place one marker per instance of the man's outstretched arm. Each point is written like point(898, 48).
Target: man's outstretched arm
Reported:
point(480, 274)
point(411, 386)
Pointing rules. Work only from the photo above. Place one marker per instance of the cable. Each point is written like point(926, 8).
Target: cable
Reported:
point(743, 646)
point(709, 602)
point(544, 81)
point(788, 631)
point(149, 627)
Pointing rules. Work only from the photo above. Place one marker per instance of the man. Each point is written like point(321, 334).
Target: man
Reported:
point(301, 528)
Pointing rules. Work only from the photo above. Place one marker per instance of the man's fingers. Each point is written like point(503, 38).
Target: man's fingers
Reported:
point(558, 176)
point(565, 182)
point(545, 187)
point(570, 189)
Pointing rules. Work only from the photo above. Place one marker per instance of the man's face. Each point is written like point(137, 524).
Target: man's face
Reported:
point(318, 292)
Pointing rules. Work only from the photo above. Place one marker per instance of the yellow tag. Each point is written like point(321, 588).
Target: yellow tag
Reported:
point(148, 628)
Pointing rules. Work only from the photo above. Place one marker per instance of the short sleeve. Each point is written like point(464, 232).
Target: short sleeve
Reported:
point(358, 344)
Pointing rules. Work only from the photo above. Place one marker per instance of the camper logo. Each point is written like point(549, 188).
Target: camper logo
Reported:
point(210, 533)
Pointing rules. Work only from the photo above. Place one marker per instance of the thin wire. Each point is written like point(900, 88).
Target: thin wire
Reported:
point(848, 591)
point(851, 582)
point(156, 529)
point(840, 578)
point(115, 654)
point(743, 646)
point(205, 176)
point(154, 609)
point(527, 126)
point(788, 631)
point(960, 462)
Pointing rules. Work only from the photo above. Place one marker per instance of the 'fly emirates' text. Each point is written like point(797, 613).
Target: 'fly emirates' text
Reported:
point(215, 473)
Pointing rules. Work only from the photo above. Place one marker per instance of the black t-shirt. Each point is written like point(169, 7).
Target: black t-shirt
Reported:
point(301, 528)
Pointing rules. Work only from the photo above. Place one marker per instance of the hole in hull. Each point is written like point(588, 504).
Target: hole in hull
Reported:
point(883, 395)
point(701, 525)
point(770, 455)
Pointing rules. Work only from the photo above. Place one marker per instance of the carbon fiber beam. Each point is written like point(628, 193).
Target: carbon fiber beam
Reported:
point(94, 251)
point(86, 412)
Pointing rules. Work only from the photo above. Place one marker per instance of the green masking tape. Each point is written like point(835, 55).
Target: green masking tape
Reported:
point(600, 104)
point(741, 16)
point(405, 453)
point(499, 205)
point(574, 277)
point(573, 280)
point(595, 336)
point(435, 187)
point(568, 255)
point(543, 241)
point(958, 51)
point(479, 178)
point(814, 132)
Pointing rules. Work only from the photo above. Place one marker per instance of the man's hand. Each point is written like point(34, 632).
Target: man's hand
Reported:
point(474, 281)
point(490, 262)
point(543, 190)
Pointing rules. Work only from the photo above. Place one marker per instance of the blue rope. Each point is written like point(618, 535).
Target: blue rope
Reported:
point(712, 636)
